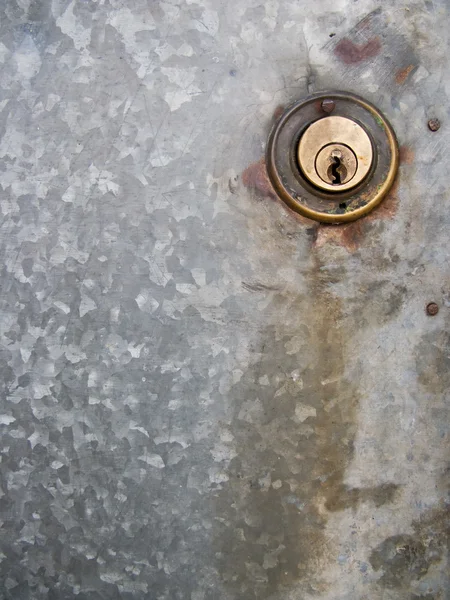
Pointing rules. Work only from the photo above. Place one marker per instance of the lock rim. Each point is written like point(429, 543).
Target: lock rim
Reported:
point(291, 185)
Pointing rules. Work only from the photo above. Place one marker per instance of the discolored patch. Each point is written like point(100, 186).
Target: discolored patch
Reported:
point(270, 528)
point(406, 155)
point(351, 497)
point(351, 235)
point(348, 235)
point(402, 558)
point(294, 425)
point(405, 559)
point(433, 362)
point(403, 74)
point(255, 177)
point(351, 54)
point(375, 44)
point(388, 206)
point(278, 112)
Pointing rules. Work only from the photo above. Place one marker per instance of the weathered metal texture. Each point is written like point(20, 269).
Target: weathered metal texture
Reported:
point(205, 396)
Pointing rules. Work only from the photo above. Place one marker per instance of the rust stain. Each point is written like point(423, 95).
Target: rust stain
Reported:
point(350, 235)
point(351, 54)
point(318, 106)
point(347, 235)
point(406, 155)
point(278, 112)
point(403, 74)
point(255, 177)
point(388, 207)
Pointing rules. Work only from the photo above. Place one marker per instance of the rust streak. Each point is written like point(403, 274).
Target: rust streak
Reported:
point(351, 235)
point(403, 74)
point(406, 155)
point(388, 206)
point(348, 236)
point(351, 54)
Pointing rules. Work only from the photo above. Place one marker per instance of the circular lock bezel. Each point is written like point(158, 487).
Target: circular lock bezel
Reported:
point(303, 197)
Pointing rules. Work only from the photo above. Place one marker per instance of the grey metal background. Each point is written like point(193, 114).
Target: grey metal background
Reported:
point(203, 396)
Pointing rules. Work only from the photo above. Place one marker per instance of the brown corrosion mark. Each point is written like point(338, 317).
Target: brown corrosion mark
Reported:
point(402, 75)
point(278, 112)
point(255, 177)
point(350, 235)
point(406, 155)
point(351, 54)
point(347, 235)
point(388, 206)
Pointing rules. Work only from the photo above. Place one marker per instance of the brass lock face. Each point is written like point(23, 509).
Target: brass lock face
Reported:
point(335, 153)
point(333, 167)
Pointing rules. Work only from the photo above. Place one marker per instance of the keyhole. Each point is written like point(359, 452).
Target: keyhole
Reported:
point(337, 171)
point(336, 176)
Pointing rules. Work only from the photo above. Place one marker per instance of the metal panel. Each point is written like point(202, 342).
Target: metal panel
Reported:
point(205, 396)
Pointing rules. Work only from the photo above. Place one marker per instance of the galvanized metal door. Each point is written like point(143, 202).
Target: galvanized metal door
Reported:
point(205, 396)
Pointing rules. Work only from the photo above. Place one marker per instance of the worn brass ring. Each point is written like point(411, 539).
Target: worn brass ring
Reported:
point(298, 192)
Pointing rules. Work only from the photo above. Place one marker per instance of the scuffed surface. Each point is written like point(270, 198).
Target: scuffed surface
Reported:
point(203, 397)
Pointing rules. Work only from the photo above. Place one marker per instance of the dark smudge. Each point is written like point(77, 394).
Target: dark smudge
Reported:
point(294, 426)
point(407, 558)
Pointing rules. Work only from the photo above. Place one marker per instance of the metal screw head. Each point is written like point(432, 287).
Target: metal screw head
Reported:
point(328, 105)
point(434, 124)
point(432, 309)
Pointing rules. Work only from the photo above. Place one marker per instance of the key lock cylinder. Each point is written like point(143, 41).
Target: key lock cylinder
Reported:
point(332, 157)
